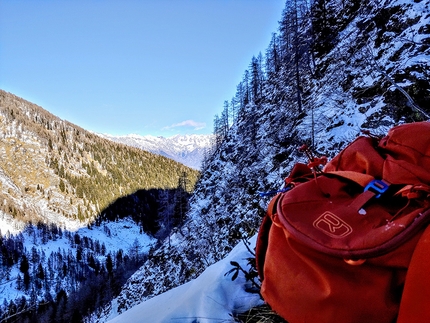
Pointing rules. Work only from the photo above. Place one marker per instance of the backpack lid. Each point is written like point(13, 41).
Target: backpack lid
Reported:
point(335, 214)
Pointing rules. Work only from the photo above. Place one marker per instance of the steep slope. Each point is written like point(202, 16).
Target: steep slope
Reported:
point(52, 170)
point(368, 71)
point(189, 150)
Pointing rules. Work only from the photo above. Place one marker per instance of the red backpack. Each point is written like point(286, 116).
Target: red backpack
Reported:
point(349, 243)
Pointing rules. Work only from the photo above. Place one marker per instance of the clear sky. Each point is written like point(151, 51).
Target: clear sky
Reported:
point(159, 67)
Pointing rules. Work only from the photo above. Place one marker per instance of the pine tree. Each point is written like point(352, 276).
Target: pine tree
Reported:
point(109, 264)
point(24, 265)
point(323, 26)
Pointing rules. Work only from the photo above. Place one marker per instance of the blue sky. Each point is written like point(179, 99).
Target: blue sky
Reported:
point(159, 67)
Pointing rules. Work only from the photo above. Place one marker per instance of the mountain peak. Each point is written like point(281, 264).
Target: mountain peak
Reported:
point(186, 149)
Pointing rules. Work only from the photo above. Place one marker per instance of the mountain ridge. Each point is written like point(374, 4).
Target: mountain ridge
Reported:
point(189, 150)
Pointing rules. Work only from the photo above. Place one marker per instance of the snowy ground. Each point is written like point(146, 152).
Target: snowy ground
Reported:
point(212, 297)
point(8, 225)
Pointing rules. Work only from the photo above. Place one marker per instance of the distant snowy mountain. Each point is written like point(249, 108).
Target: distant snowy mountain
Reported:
point(186, 149)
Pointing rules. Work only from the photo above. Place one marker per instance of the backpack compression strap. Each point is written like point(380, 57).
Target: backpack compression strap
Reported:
point(414, 306)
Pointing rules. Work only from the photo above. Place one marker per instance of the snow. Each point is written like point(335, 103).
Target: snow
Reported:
point(212, 297)
point(114, 235)
point(8, 224)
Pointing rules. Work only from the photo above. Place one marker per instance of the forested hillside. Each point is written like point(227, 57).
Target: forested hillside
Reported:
point(333, 69)
point(78, 213)
point(52, 170)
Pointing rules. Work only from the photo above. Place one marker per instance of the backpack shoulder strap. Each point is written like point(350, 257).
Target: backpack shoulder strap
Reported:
point(414, 306)
point(263, 236)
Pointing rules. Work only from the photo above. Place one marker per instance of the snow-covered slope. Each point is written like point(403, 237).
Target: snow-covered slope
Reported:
point(54, 249)
point(186, 149)
point(212, 297)
point(379, 48)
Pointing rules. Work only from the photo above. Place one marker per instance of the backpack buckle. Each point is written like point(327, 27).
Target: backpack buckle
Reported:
point(378, 187)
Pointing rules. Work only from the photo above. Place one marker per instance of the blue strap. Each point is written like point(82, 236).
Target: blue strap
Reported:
point(272, 193)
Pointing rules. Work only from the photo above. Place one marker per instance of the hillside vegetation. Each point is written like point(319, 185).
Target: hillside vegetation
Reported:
point(52, 170)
